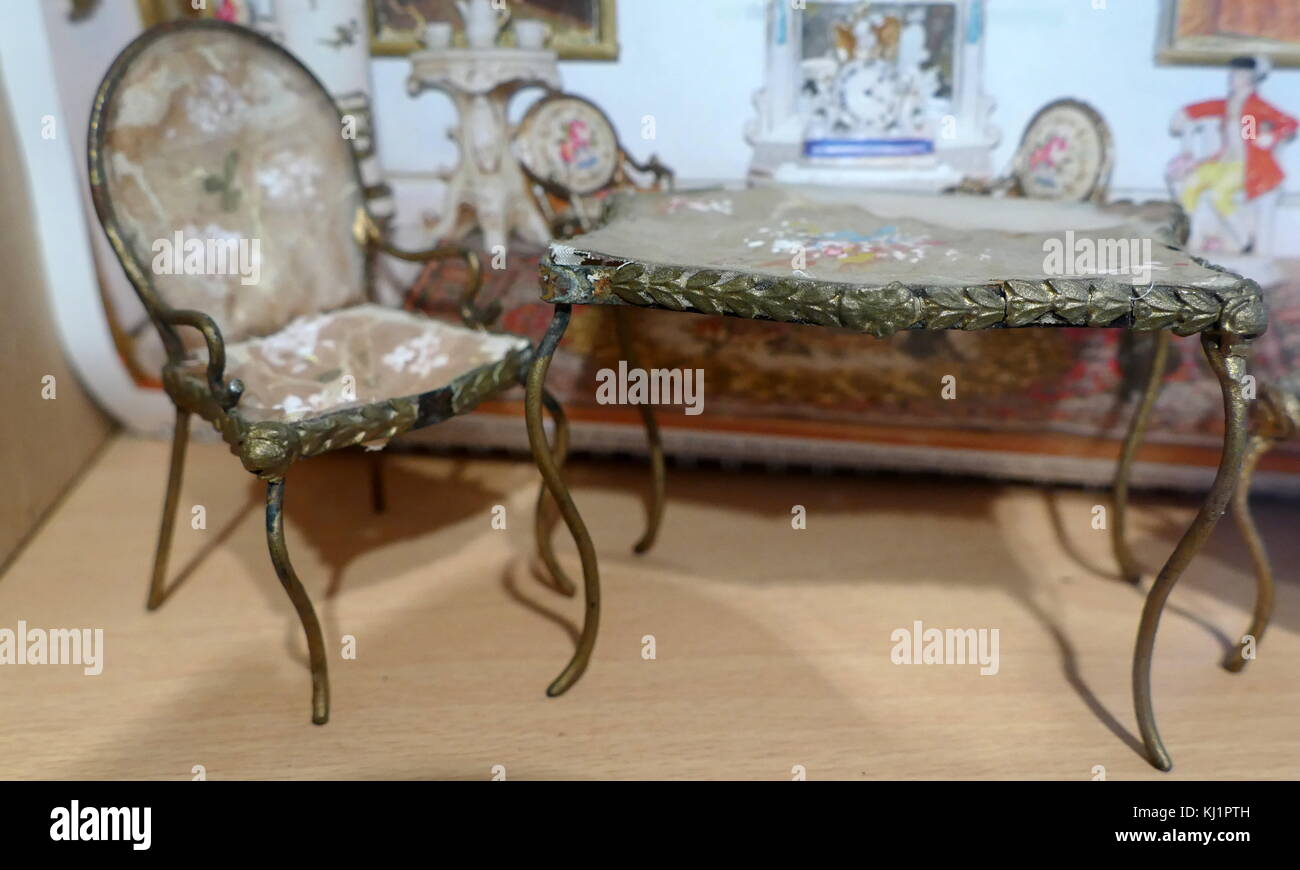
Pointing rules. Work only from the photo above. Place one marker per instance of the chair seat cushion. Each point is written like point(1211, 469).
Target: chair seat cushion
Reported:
point(351, 357)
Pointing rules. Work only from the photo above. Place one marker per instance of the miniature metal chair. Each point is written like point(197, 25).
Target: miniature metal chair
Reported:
point(221, 176)
point(569, 149)
point(1066, 153)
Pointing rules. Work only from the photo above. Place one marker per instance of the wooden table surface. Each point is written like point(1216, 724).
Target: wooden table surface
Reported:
point(772, 645)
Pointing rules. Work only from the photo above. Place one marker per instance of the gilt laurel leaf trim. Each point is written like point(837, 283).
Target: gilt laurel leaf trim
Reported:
point(1156, 308)
point(1108, 302)
point(1027, 301)
point(1234, 310)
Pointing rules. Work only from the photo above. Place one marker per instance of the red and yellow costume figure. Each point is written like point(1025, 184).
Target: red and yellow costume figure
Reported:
point(1251, 129)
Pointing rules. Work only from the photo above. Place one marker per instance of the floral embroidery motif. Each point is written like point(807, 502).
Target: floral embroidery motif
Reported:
point(848, 247)
point(224, 183)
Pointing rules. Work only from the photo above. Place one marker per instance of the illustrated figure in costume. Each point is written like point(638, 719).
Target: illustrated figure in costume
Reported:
point(1251, 129)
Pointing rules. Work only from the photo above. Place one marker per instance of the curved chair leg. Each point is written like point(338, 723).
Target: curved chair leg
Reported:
point(653, 442)
point(542, 525)
point(555, 483)
point(1137, 427)
point(1255, 450)
point(378, 501)
point(320, 681)
point(1227, 357)
point(180, 439)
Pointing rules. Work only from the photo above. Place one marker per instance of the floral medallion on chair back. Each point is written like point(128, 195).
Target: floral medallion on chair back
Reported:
point(232, 183)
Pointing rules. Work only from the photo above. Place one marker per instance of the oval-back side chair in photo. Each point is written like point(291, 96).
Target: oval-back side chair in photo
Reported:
point(221, 175)
point(1066, 153)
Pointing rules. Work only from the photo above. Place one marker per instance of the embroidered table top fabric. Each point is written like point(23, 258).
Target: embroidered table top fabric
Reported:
point(878, 262)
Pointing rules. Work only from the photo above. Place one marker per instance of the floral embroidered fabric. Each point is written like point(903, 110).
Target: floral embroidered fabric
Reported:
point(352, 357)
point(232, 183)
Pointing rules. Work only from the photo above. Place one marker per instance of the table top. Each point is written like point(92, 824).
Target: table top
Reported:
point(879, 262)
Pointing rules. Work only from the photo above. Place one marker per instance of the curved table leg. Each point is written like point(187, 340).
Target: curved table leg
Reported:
point(180, 439)
point(1255, 450)
point(654, 443)
point(1227, 358)
point(320, 681)
point(542, 525)
point(1137, 427)
point(555, 483)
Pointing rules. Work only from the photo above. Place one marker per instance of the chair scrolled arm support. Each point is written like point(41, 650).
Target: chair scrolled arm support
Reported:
point(467, 302)
point(368, 234)
point(653, 167)
point(226, 395)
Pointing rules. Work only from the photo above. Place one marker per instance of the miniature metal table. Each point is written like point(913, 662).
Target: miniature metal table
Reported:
point(879, 263)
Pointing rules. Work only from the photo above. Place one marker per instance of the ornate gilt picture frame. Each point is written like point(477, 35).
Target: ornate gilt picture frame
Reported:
point(1215, 31)
point(154, 12)
point(579, 29)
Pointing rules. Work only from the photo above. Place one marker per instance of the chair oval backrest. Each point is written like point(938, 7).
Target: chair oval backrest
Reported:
point(220, 171)
point(567, 144)
point(1066, 153)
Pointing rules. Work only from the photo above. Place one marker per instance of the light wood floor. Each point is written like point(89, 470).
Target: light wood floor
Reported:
point(772, 644)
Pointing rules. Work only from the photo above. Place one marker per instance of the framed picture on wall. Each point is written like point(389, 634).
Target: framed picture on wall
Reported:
point(1215, 31)
point(579, 29)
point(157, 11)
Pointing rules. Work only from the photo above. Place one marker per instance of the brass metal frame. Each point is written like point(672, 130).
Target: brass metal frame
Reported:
point(546, 462)
point(654, 444)
point(542, 516)
point(1128, 566)
point(320, 683)
point(180, 440)
point(1275, 417)
point(269, 448)
point(1256, 447)
point(567, 226)
point(1227, 357)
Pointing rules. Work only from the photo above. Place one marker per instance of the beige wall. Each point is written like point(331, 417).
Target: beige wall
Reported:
point(44, 444)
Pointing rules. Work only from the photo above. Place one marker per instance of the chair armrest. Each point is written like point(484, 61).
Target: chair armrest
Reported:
point(467, 303)
point(655, 168)
point(473, 316)
point(226, 395)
